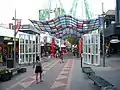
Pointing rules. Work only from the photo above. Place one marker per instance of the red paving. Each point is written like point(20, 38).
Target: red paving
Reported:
point(63, 80)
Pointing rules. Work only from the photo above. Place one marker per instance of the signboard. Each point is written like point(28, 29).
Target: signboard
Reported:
point(25, 27)
point(18, 24)
point(16, 39)
point(7, 38)
point(100, 20)
point(10, 39)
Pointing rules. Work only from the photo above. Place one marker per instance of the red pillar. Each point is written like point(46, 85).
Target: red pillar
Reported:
point(53, 48)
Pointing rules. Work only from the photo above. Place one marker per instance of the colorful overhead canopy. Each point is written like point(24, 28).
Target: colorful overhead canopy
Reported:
point(64, 26)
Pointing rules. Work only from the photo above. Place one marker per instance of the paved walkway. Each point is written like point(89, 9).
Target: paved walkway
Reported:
point(21, 77)
point(79, 80)
point(65, 76)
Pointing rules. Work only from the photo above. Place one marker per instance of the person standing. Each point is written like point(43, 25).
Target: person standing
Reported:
point(38, 69)
point(57, 54)
point(4, 58)
point(108, 49)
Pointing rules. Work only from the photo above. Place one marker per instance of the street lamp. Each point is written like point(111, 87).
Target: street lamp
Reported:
point(14, 18)
point(103, 15)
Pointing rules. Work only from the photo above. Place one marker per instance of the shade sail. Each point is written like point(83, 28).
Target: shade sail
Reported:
point(65, 25)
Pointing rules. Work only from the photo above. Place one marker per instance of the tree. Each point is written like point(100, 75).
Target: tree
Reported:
point(73, 40)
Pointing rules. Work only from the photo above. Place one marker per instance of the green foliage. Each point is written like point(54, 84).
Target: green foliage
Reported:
point(73, 40)
point(3, 71)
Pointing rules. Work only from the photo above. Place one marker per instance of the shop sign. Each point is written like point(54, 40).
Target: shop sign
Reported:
point(10, 43)
point(7, 38)
point(25, 27)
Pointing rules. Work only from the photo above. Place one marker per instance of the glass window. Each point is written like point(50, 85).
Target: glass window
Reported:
point(21, 58)
point(92, 59)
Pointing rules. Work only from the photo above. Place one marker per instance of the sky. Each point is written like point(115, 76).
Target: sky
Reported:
point(28, 9)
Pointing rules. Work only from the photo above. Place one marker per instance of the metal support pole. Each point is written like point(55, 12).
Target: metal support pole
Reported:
point(60, 44)
point(19, 47)
point(81, 61)
point(40, 45)
point(15, 40)
point(80, 40)
point(103, 14)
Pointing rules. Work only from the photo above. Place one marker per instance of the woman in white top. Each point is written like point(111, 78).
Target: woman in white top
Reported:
point(38, 69)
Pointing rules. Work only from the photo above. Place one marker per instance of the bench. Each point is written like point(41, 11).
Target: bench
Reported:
point(99, 81)
point(87, 70)
point(22, 70)
point(109, 88)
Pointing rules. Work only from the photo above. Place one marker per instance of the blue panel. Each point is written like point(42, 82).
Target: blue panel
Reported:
point(117, 11)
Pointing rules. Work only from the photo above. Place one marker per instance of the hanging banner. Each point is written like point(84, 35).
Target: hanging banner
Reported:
point(18, 24)
point(100, 18)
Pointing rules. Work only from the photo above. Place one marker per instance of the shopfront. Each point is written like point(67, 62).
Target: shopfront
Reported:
point(6, 48)
point(1, 49)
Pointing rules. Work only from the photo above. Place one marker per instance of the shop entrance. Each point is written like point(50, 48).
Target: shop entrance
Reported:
point(10, 50)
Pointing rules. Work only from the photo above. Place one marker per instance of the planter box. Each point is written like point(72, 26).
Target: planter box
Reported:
point(14, 71)
point(5, 76)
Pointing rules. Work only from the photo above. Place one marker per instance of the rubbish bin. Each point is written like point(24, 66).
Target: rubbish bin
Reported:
point(10, 63)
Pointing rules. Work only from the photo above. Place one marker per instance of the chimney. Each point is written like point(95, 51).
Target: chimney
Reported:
point(117, 16)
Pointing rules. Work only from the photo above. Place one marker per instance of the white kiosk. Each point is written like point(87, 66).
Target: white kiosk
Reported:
point(29, 47)
point(91, 48)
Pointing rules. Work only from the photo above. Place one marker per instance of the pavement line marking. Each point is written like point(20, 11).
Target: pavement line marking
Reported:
point(54, 63)
point(70, 76)
point(66, 69)
point(64, 72)
point(57, 84)
point(44, 72)
point(26, 84)
point(60, 77)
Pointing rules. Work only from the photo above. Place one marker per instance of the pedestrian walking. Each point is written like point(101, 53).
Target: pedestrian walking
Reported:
point(61, 57)
point(57, 54)
point(38, 69)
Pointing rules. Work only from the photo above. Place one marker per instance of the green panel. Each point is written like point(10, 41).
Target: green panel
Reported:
point(44, 14)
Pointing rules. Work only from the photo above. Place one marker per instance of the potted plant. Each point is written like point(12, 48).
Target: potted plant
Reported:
point(5, 75)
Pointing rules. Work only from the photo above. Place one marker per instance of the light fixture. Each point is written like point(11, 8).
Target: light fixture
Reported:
point(114, 41)
point(10, 43)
